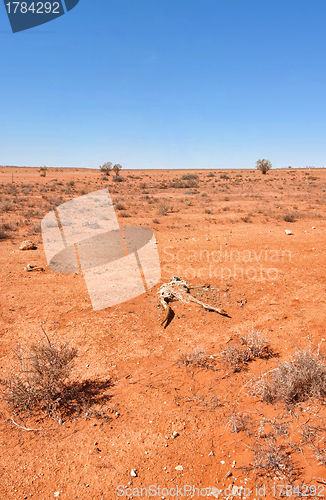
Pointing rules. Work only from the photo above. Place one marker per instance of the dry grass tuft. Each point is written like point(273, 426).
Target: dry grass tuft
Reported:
point(272, 460)
point(293, 381)
point(197, 359)
point(253, 345)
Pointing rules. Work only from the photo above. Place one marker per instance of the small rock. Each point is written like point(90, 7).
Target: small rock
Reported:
point(175, 434)
point(211, 454)
point(287, 231)
point(179, 467)
point(313, 227)
point(57, 493)
point(27, 245)
point(133, 473)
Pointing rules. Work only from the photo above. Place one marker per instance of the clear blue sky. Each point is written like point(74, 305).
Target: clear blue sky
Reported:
point(167, 84)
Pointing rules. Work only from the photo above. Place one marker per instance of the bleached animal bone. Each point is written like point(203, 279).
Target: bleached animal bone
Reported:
point(179, 290)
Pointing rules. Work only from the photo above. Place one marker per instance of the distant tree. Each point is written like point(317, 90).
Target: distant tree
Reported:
point(116, 168)
point(263, 165)
point(106, 168)
point(43, 171)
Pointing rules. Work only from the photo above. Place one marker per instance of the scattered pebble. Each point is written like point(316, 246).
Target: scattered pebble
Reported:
point(179, 467)
point(287, 231)
point(133, 472)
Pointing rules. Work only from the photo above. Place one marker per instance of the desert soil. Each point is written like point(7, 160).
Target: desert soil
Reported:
point(167, 403)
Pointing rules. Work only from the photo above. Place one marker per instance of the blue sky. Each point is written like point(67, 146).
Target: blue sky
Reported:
point(167, 84)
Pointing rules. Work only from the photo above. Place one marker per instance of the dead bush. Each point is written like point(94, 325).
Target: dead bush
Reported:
point(256, 343)
point(197, 359)
point(6, 206)
point(291, 217)
point(293, 381)
point(6, 228)
point(189, 177)
point(119, 206)
point(3, 232)
point(240, 422)
point(34, 229)
point(236, 357)
point(272, 460)
point(41, 382)
point(180, 184)
point(41, 379)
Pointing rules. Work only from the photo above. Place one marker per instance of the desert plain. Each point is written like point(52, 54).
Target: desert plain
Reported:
point(186, 404)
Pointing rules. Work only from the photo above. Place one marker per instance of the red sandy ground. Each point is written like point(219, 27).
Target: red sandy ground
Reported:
point(153, 393)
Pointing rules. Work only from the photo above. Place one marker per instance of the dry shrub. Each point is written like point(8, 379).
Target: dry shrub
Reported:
point(42, 382)
point(189, 177)
point(253, 345)
point(164, 207)
point(41, 379)
point(272, 460)
point(236, 357)
point(34, 229)
point(291, 217)
point(119, 206)
point(314, 439)
point(6, 228)
point(256, 343)
point(3, 232)
point(246, 219)
point(55, 201)
point(293, 381)
point(197, 359)
point(118, 178)
point(179, 184)
point(6, 206)
point(240, 422)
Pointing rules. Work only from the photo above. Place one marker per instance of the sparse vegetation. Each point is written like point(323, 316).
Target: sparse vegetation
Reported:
point(6, 206)
point(272, 460)
point(42, 384)
point(106, 168)
point(164, 207)
point(197, 359)
point(263, 165)
point(189, 177)
point(290, 217)
point(253, 345)
point(293, 381)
